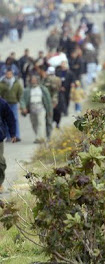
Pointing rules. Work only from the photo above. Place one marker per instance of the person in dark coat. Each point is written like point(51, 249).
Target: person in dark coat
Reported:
point(20, 26)
point(66, 44)
point(14, 60)
point(67, 78)
point(76, 64)
point(24, 63)
point(52, 42)
point(6, 118)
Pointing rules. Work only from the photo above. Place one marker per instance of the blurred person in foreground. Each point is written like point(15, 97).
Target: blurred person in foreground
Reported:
point(36, 100)
point(11, 91)
point(6, 118)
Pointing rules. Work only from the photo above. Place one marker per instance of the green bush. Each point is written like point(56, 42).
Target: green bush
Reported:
point(69, 210)
point(70, 206)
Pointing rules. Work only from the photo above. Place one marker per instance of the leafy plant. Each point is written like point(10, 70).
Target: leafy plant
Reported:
point(92, 124)
point(9, 215)
point(69, 209)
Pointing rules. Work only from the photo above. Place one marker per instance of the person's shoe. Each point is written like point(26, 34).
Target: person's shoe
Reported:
point(57, 126)
point(38, 141)
point(1, 189)
point(66, 114)
point(8, 140)
point(18, 140)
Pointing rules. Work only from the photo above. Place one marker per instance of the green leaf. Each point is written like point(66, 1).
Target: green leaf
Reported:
point(60, 181)
point(84, 155)
point(95, 152)
point(77, 218)
point(99, 187)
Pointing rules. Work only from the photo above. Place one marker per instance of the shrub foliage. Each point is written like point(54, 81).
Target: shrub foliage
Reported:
point(69, 213)
point(70, 208)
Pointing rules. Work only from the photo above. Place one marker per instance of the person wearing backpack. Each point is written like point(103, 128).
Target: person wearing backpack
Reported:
point(6, 119)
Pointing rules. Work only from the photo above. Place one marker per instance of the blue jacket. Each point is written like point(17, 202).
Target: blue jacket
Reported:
point(6, 117)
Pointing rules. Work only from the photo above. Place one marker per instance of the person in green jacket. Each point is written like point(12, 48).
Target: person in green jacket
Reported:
point(36, 100)
point(11, 91)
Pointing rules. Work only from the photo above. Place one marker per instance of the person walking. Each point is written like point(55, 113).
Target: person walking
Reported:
point(13, 33)
point(36, 100)
point(67, 77)
point(20, 26)
point(6, 117)
point(24, 62)
point(53, 83)
point(52, 42)
point(11, 91)
point(90, 56)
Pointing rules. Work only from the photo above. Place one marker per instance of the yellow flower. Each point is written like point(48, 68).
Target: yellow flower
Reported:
point(69, 148)
point(77, 140)
point(64, 144)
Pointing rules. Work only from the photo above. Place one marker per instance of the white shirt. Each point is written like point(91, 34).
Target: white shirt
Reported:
point(36, 95)
point(57, 60)
point(36, 103)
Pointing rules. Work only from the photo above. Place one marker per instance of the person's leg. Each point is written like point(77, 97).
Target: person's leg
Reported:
point(78, 107)
point(2, 164)
point(57, 116)
point(24, 79)
point(67, 96)
point(89, 73)
point(34, 121)
point(48, 126)
point(83, 81)
point(94, 71)
point(7, 129)
point(63, 103)
point(14, 108)
point(41, 130)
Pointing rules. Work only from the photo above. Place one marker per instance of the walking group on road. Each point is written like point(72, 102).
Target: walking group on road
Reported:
point(44, 86)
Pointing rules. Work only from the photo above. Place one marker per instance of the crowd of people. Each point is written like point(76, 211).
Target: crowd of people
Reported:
point(45, 15)
point(44, 86)
point(12, 28)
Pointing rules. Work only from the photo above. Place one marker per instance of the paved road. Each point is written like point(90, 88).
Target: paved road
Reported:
point(23, 151)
